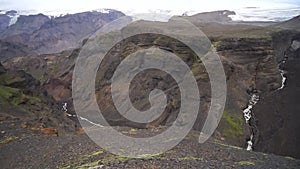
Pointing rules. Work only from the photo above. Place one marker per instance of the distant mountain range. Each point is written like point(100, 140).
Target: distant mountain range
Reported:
point(22, 34)
point(40, 34)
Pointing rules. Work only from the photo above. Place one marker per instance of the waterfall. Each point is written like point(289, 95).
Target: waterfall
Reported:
point(247, 115)
point(250, 143)
point(282, 72)
point(65, 110)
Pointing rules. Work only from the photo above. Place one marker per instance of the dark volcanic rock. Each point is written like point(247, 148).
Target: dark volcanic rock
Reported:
point(278, 112)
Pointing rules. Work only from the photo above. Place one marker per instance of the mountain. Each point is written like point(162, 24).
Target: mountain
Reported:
point(41, 34)
point(216, 16)
point(25, 24)
point(293, 23)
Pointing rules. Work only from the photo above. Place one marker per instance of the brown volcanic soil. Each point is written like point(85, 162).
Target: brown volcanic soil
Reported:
point(78, 151)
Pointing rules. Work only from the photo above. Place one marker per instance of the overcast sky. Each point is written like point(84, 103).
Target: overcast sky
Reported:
point(143, 5)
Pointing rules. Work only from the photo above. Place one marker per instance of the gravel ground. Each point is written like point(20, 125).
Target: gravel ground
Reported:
point(78, 151)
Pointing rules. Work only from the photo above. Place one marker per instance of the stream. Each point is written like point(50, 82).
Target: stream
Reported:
point(248, 115)
point(65, 110)
point(282, 72)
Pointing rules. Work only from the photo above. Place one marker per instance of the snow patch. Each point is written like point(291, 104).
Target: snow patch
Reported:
point(103, 10)
point(267, 15)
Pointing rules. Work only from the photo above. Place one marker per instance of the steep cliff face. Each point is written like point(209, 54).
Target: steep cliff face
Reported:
point(278, 111)
point(250, 66)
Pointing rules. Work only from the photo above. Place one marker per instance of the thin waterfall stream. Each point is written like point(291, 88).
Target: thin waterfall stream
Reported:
point(248, 115)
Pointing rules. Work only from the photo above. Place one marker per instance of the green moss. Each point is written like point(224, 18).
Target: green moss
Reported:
point(6, 79)
point(8, 139)
point(55, 69)
point(23, 98)
point(7, 92)
point(233, 126)
point(94, 154)
point(150, 155)
point(245, 163)
point(112, 158)
point(132, 131)
point(84, 158)
point(66, 167)
point(215, 46)
point(229, 146)
point(203, 58)
point(88, 165)
point(189, 158)
point(49, 63)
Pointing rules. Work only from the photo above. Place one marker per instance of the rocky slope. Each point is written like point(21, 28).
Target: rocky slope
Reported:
point(25, 104)
point(78, 151)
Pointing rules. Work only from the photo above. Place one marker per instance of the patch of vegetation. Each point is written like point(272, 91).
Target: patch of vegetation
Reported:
point(132, 131)
point(8, 140)
point(94, 154)
point(145, 156)
point(82, 159)
point(15, 96)
point(7, 92)
point(113, 158)
point(216, 44)
point(230, 146)
point(55, 69)
point(49, 63)
point(233, 127)
point(189, 158)
point(5, 79)
point(88, 165)
point(245, 163)
point(22, 98)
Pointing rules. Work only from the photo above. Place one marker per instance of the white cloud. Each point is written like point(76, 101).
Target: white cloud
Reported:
point(141, 6)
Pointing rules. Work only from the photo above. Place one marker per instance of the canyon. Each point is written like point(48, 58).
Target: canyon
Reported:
point(38, 55)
